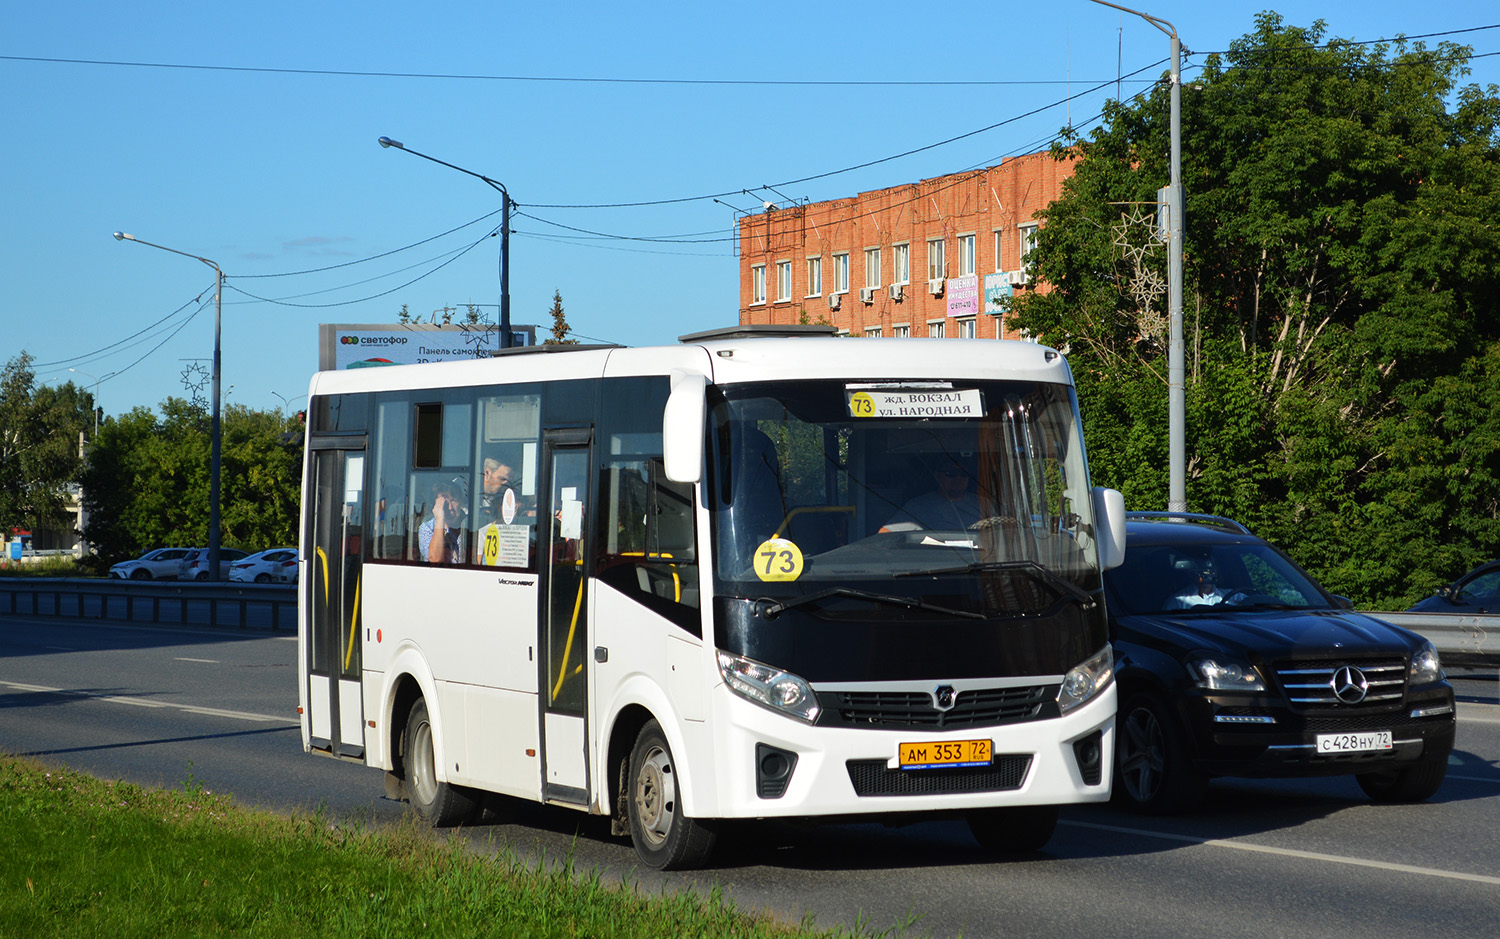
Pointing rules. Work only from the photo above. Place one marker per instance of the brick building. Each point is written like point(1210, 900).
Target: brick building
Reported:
point(934, 258)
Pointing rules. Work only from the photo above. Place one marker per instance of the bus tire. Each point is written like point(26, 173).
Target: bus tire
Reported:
point(439, 804)
point(1019, 830)
point(664, 837)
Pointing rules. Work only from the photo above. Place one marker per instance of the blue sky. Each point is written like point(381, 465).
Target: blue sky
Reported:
point(259, 152)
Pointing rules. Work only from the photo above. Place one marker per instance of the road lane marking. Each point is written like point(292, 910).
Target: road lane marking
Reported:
point(178, 658)
point(150, 703)
point(1291, 852)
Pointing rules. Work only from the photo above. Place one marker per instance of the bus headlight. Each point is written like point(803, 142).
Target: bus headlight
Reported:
point(768, 686)
point(1085, 680)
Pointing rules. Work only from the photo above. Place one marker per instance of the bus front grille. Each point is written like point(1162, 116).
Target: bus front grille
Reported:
point(875, 778)
point(904, 710)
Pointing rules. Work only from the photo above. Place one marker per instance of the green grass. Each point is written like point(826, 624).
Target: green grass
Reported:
point(58, 566)
point(86, 857)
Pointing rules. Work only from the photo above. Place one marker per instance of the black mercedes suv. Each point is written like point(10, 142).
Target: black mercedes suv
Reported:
point(1232, 661)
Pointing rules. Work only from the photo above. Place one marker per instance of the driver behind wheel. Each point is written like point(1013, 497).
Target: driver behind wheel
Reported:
point(950, 505)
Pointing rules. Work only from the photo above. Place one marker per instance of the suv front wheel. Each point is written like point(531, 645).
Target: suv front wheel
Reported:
point(1153, 772)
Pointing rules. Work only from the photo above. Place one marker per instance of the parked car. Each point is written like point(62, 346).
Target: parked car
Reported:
point(195, 565)
point(1478, 591)
point(160, 564)
point(1232, 661)
point(268, 566)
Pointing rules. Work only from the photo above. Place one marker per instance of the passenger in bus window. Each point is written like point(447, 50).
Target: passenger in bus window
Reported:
point(949, 505)
point(497, 477)
point(440, 539)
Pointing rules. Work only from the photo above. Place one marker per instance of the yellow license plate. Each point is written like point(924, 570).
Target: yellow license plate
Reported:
point(944, 753)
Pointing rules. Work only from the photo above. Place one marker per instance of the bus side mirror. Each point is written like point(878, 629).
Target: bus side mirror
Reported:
point(1109, 526)
point(682, 428)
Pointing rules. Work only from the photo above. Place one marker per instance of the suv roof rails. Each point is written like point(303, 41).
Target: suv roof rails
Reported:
point(1216, 521)
point(761, 331)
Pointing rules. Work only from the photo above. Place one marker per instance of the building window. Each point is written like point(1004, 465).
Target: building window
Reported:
point(758, 283)
point(872, 267)
point(814, 276)
point(998, 266)
point(936, 268)
point(872, 332)
point(934, 329)
point(1028, 242)
point(966, 327)
point(841, 273)
point(902, 257)
point(965, 255)
point(783, 281)
point(902, 331)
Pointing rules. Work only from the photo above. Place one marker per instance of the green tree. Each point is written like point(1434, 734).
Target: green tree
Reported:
point(1341, 266)
point(146, 483)
point(560, 327)
point(41, 430)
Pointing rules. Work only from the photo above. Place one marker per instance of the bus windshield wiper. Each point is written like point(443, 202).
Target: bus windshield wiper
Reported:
point(1039, 571)
point(776, 609)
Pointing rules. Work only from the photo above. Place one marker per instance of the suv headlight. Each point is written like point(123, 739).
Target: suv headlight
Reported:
point(1085, 680)
point(1217, 672)
point(769, 686)
point(1426, 667)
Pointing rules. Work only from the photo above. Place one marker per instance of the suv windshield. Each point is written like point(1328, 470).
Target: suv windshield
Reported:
point(1199, 577)
point(968, 495)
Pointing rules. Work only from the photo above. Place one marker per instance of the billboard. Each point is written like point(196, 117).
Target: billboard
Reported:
point(343, 346)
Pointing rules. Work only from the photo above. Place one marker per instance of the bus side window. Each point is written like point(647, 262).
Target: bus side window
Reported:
point(650, 547)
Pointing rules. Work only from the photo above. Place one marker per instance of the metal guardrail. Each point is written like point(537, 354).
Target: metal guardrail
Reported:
point(184, 603)
point(1460, 638)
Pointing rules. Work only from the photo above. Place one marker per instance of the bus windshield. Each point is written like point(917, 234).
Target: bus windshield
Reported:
point(905, 489)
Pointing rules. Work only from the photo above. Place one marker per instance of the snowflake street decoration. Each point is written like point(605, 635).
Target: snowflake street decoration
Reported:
point(1146, 286)
point(194, 379)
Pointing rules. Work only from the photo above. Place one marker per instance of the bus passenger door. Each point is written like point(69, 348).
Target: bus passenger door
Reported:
point(564, 640)
point(333, 648)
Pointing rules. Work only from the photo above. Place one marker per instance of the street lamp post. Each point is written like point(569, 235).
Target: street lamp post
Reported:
point(1176, 370)
point(93, 394)
point(505, 207)
point(215, 443)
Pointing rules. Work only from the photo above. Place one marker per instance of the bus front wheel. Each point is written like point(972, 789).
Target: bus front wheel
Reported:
point(664, 837)
point(437, 803)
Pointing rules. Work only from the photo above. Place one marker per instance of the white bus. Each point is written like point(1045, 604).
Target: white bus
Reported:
point(762, 573)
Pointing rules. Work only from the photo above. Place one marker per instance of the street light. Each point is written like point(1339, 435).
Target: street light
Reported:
point(93, 393)
point(1176, 373)
point(505, 207)
point(215, 444)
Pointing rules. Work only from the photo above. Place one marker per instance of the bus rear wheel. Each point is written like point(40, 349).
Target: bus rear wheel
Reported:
point(437, 803)
point(664, 837)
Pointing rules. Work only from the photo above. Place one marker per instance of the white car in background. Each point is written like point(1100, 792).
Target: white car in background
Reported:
point(161, 564)
point(195, 565)
point(274, 565)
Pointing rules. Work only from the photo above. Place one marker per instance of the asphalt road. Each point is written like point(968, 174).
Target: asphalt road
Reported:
point(1277, 859)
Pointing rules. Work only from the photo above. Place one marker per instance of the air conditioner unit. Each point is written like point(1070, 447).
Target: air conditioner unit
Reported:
point(867, 295)
point(1020, 278)
point(833, 301)
point(898, 292)
point(935, 287)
